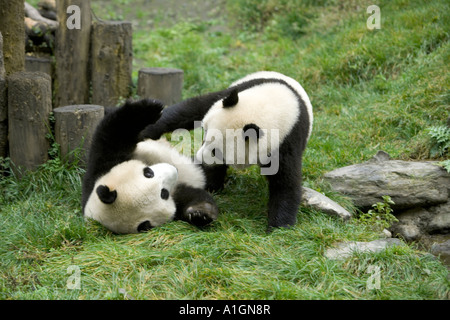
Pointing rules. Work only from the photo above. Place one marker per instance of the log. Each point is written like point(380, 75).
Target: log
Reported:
point(74, 128)
point(34, 14)
point(13, 30)
point(3, 105)
point(72, 53)
point(47, 5)
point(112, 62)
point(47, 8)
point(29, 107)
point(36, 28)
point(164, 84)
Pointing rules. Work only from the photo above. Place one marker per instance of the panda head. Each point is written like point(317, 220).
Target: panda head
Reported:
point(133, 197)
point(232, 134)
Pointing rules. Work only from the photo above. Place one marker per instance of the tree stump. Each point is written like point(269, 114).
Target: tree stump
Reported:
point(13, 29)
point(72, 52)
point(3, 105)
point(29, 107)
point(112, 62)
point(164, 84)
point(74, 128)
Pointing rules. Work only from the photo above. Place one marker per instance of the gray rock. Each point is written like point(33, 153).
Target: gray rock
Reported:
point(380, 157)
point(417, 222)
point(442, 250)
point(345, 250)
point(438, 245)
point(317, 201)
point(411, 224)
point(440, 219)
point(386, 233)
point(409, 184)
point(409, 231)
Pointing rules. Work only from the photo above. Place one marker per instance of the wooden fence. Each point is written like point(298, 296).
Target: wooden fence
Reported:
point(91, 68)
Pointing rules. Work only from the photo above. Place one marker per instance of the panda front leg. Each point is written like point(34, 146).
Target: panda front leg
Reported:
point(284, 194)
point(215, 176)
point(194, 205)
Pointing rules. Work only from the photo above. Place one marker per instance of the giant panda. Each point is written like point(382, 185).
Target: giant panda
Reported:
point(132, 186)
point(266, 111)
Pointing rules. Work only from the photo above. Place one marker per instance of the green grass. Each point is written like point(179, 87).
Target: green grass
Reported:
point(371, 90)
point(42, 235)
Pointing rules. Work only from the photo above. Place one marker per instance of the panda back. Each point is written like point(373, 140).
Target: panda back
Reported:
point(268, 105)
point(247, 80)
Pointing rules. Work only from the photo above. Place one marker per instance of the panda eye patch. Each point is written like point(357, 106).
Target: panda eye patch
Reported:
point(164, 194)
point(148, 173)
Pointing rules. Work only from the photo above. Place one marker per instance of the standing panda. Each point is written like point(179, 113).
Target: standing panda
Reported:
point(267, 113)
point(133, 186)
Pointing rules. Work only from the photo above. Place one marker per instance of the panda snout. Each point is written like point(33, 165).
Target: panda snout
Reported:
point(167, 174)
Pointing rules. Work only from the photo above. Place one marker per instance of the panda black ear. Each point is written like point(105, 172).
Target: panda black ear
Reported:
point(231, 100)
point(105, 195)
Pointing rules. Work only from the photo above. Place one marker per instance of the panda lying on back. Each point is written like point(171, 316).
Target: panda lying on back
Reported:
point(132, 186)
point(264, 111)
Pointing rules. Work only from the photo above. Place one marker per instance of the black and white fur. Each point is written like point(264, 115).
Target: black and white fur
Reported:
point(132, 186)
point(271, 99)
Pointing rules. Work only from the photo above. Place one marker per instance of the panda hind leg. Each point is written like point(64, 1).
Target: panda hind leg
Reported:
point(195, 206)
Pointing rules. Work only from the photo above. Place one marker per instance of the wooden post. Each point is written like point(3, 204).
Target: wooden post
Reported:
point(12, 57)
point(74, 128)
point(29, 107)
point(164, 84)
point(72, 52)
point(12, 14)
point(112, 62)
point(35, 64)
point(3, 105)
point(2, 61)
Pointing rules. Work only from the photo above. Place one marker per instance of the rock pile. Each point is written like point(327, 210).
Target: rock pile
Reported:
point(420, 191)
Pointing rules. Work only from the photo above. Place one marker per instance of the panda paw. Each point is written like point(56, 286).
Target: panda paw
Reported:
point(139, 114)
point(201, 214)
point(150, 132)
